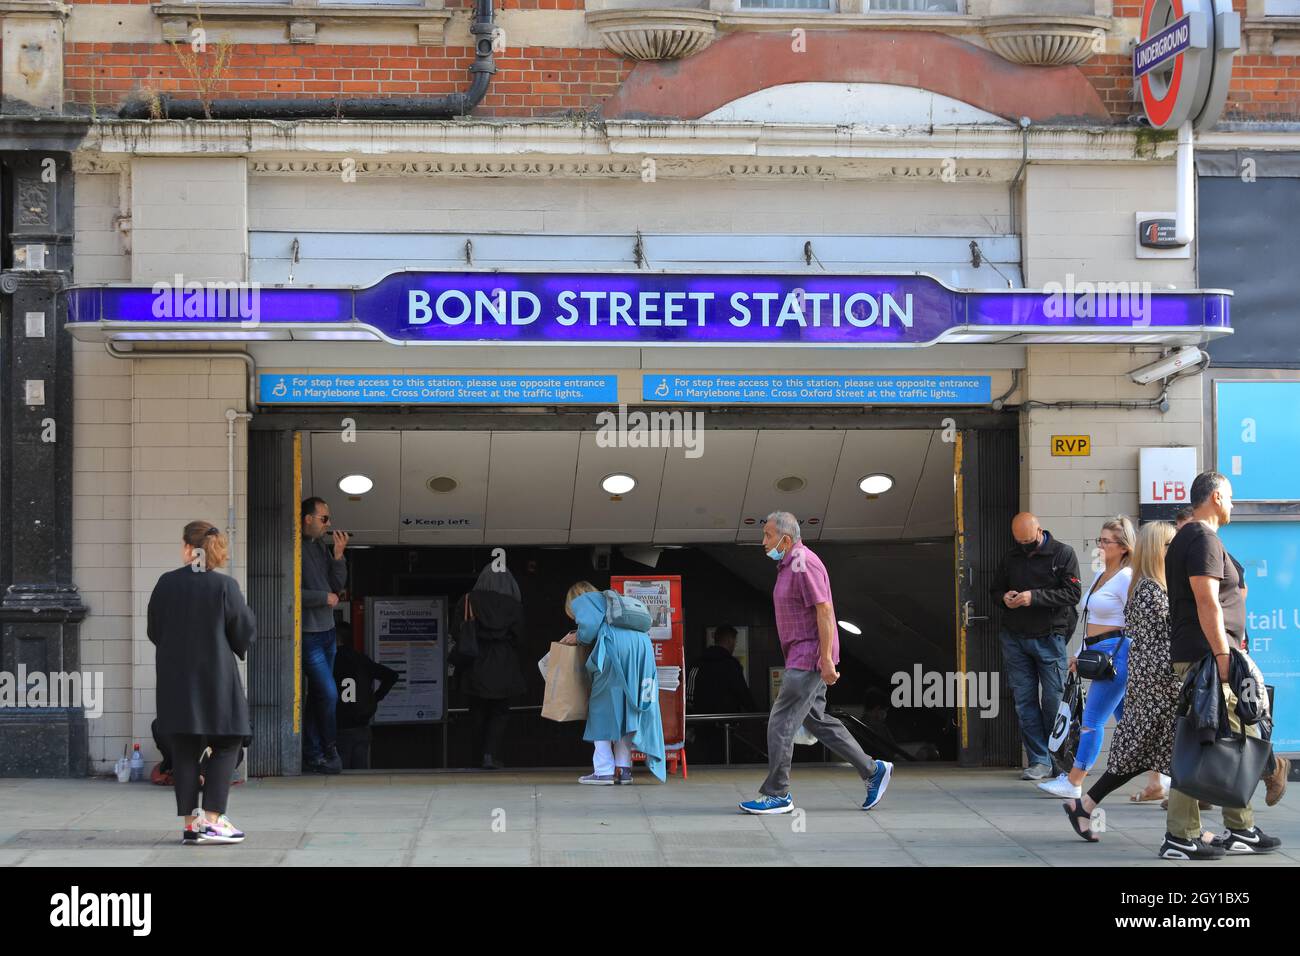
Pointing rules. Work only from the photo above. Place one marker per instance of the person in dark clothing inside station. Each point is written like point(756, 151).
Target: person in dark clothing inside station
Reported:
point(492, 676)
point(716, 685)
point(356, 676)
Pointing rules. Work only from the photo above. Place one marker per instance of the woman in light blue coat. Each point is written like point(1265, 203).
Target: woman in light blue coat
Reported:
point(623, 713)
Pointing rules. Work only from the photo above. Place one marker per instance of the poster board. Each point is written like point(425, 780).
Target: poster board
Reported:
point(409, 634)
point(662, 595)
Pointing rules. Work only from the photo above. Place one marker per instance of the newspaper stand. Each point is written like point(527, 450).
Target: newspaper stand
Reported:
point(669, 653)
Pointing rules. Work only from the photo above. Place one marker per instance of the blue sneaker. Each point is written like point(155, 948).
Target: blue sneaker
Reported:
point(766, 804)
point(879, 784)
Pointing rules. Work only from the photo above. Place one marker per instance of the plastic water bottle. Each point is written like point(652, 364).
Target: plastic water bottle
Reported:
point(137, 765)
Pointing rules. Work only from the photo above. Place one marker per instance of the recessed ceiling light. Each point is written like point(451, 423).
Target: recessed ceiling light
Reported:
point(355, 484)
point(442, 484)
point(790, 483)
point(618, 483)
point(876, 484)
point(851, 628)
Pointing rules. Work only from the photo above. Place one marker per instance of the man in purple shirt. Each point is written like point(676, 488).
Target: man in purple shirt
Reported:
point(805, 624)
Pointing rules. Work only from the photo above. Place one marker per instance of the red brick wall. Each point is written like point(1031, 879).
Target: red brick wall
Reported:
point(533, 81)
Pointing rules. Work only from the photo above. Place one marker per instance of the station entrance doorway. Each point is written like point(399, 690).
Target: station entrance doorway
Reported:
point(455, 488)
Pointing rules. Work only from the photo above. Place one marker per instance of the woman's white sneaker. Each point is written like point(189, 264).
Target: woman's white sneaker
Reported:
point(1061, 787)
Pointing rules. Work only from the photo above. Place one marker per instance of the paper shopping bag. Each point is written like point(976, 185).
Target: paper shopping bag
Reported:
point(567, 685)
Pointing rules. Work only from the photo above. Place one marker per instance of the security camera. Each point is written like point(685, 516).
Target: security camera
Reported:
point(1171, 364)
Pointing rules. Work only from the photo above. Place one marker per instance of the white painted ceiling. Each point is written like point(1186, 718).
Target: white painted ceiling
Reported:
point(543, 487)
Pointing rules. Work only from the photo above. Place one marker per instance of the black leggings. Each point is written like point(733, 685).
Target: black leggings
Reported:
point(187, 749)
point(1108, 783)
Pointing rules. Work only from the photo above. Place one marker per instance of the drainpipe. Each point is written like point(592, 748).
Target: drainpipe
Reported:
point(250, 377)
point(231, 417)
point(1185, 208)
point(442, 107)
point(1025, 123)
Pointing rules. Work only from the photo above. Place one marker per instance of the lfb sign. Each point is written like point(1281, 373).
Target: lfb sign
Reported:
point(1183, 60)
point(1166, 476)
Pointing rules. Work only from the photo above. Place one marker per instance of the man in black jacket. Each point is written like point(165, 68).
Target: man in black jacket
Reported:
point(1037, 583)
point(716, 685)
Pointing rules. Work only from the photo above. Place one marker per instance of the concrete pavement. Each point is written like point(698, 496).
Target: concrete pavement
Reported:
point(933, 815)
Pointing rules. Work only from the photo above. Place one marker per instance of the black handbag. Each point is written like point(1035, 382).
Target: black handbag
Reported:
point(1225, 771)
point(467, 638)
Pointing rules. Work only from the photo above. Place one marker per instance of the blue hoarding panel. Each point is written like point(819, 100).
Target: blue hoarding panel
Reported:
point(1258, 431)
point(1270, 552)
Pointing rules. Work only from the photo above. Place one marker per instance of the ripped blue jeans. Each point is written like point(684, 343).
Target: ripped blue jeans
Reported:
point(1105, 697)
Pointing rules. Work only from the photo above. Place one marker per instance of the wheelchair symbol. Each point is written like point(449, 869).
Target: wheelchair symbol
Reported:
point(279, 390)
point(661, 390)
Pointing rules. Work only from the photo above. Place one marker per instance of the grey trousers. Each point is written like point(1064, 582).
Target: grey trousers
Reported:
point(802, 700)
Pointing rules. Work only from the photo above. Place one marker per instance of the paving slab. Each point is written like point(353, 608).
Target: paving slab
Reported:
point(933, 815)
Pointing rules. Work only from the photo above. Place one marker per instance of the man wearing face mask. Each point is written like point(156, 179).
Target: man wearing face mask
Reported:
point(1037, 583)
point(806, 627)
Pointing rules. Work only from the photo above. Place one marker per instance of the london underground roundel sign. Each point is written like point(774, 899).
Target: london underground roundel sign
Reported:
point(1182, 61)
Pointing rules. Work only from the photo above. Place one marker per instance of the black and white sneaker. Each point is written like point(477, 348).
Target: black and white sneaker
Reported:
point(1253, 840)
point(1177, 848)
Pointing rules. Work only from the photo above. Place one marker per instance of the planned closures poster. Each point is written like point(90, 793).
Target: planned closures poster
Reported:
point(409, 635)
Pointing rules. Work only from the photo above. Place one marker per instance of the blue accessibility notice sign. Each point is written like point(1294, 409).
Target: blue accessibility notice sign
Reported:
point(813, 389)
point(419, 389)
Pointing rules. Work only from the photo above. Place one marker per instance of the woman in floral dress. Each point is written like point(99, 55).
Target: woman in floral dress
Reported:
point(1144, 737)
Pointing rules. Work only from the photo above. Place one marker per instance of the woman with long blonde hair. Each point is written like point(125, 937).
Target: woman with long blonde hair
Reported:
point(1103, 617)
point(1144, 739)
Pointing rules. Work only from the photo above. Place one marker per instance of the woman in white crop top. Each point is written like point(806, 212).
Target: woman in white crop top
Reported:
point(1102, 608)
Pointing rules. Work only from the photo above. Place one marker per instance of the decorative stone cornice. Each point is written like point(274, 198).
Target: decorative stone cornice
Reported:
point(677, 168)
point(616, 147)
point(300, 19)
point(1262, 32)
point(655, 34)
point(1033, 40)
point(34, 8)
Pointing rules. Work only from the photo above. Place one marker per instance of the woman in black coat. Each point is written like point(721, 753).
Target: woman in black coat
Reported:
point(493, 676)
point(199, 623)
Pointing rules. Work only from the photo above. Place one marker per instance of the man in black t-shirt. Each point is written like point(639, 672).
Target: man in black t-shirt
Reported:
point(1207, 614)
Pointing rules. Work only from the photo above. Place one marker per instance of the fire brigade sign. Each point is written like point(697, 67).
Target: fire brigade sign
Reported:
point(1182, 61)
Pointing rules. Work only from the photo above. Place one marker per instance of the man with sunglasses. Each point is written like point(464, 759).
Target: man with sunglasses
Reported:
point(324, 574)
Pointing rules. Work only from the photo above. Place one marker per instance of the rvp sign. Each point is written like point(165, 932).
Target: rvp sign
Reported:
point(1071, 445)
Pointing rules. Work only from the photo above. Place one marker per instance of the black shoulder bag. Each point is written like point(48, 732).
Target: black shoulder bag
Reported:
point(1092, 664)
